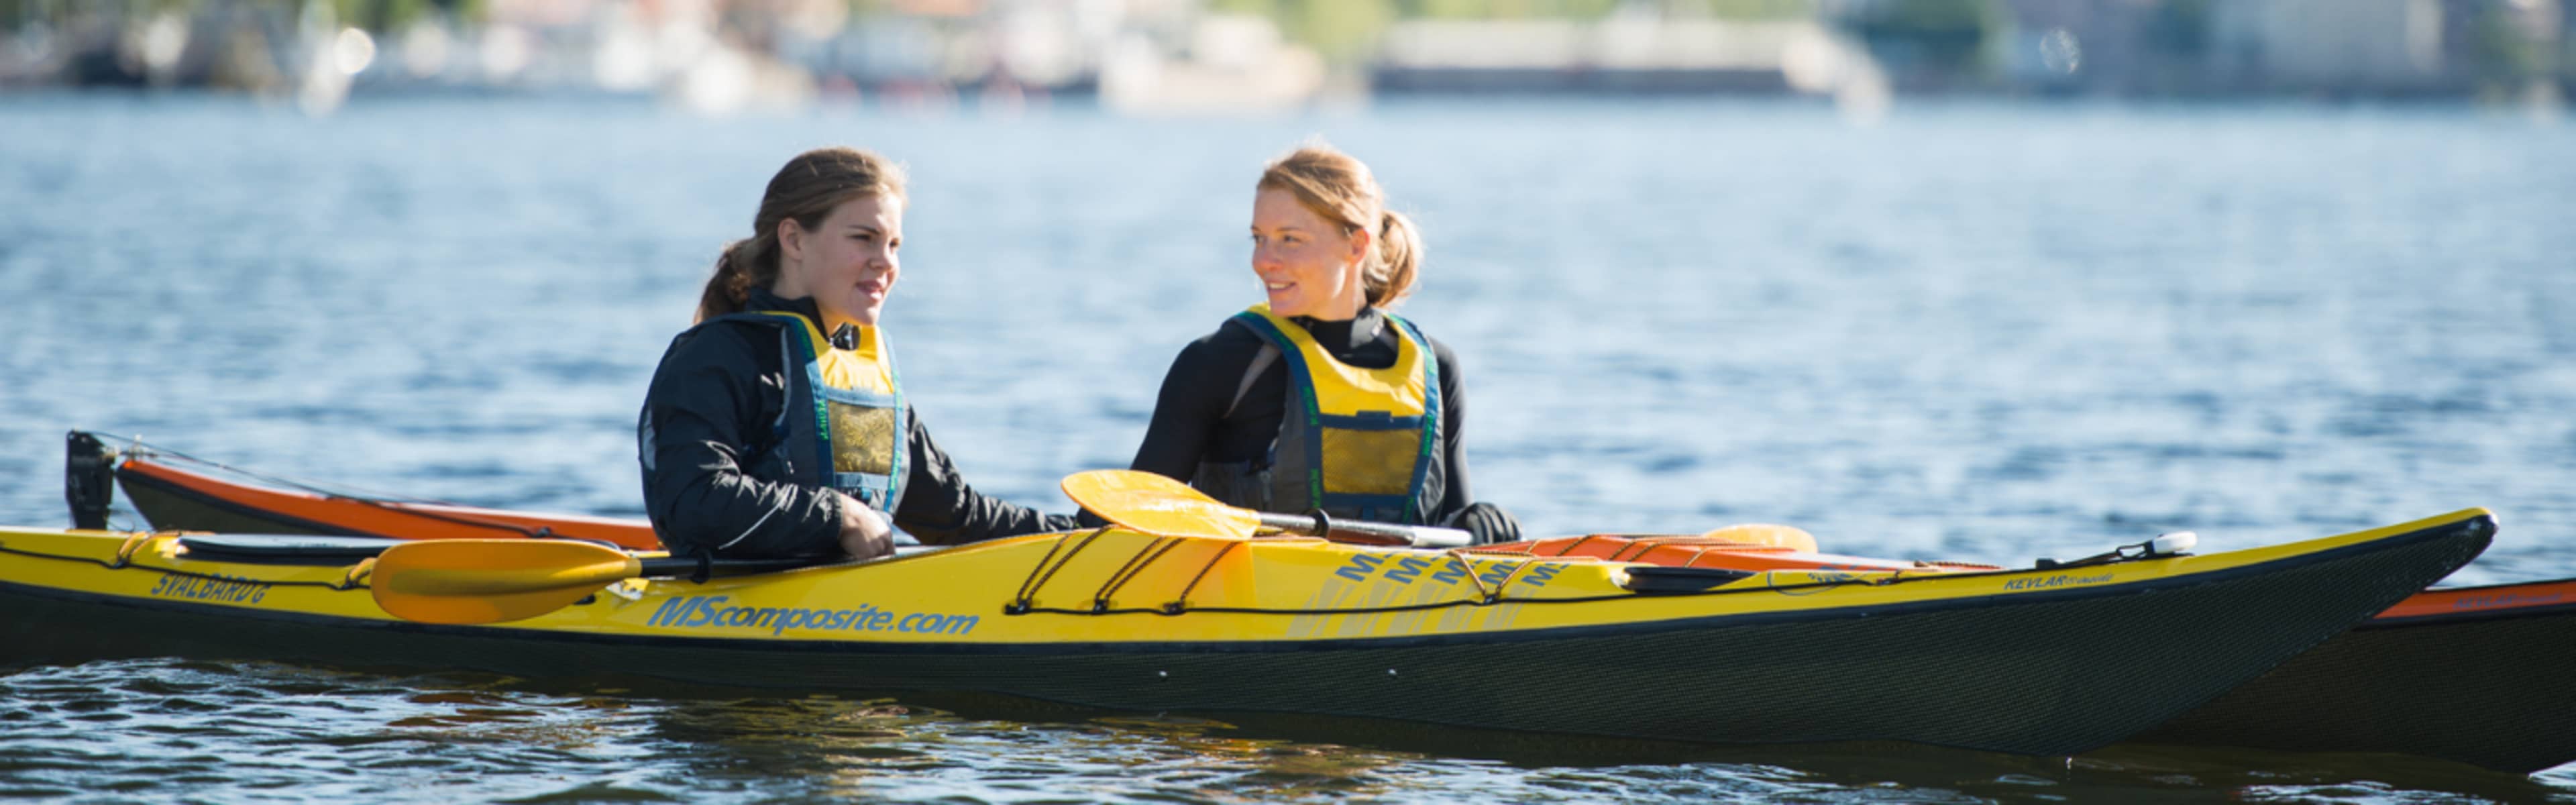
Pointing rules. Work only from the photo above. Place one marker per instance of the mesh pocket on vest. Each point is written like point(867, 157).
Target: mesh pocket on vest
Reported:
point(1369, 462)
point(862, 438)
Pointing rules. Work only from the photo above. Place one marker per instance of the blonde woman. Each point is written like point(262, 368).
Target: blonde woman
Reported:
point(776, 427)
point(1319, 398)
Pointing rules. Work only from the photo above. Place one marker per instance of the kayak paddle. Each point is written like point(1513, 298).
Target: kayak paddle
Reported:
point(1777, 536)
point(460, 581)
point(1152, 504)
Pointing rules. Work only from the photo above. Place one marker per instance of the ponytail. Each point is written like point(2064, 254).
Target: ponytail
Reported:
point(1399, 261)
point(731, 286)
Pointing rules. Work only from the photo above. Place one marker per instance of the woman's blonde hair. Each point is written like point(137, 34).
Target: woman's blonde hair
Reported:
point(1338, 188)
point(806, 189)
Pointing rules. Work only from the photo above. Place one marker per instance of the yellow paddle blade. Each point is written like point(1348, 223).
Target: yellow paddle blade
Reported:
point(1152, 504)
point(1781, 536)
point(492, 580)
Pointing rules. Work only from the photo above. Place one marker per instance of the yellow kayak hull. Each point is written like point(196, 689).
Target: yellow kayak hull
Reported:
point(2034, 661)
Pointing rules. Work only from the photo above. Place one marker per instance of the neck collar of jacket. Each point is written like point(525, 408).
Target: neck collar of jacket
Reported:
point(1344, 336)
point(761, 299)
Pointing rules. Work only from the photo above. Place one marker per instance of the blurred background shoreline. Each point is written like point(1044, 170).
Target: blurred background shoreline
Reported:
point(1964, 280)
point(1159, 57)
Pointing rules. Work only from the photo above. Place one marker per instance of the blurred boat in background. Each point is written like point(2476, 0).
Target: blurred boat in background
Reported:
point(1193, 56)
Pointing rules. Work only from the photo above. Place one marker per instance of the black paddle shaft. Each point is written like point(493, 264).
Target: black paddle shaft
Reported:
point(697, 568)
point(701, 569)
point(1317, 524)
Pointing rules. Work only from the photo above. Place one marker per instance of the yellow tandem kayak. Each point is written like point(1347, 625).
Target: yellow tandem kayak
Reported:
point(2037, 661)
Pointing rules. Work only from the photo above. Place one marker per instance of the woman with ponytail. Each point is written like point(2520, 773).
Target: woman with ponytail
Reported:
point(776, 426)
point(1320, 399)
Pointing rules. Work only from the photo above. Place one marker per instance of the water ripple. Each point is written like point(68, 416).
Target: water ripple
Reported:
point(1977, 333)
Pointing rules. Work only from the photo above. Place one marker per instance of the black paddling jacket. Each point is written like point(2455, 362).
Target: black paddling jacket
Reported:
point(709, 419)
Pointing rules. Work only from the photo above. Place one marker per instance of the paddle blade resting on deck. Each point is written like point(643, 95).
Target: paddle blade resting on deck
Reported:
point(489, 581)
point(1777, 536)
point(1152, 504)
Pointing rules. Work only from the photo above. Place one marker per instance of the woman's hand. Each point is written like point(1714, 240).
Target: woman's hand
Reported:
point(864, 532)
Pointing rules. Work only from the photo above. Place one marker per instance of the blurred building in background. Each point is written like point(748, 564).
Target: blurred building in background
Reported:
point(1183, 56)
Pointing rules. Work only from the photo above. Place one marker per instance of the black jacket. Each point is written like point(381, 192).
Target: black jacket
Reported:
point(706, 421)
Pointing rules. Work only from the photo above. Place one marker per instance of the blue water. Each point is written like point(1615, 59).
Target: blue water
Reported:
point(1974, 331)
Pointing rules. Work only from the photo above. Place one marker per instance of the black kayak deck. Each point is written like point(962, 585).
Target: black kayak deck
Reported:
point(284, 549)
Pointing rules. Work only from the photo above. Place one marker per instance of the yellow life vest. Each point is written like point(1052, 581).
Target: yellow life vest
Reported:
point(1355, 442)
point(843, 425)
